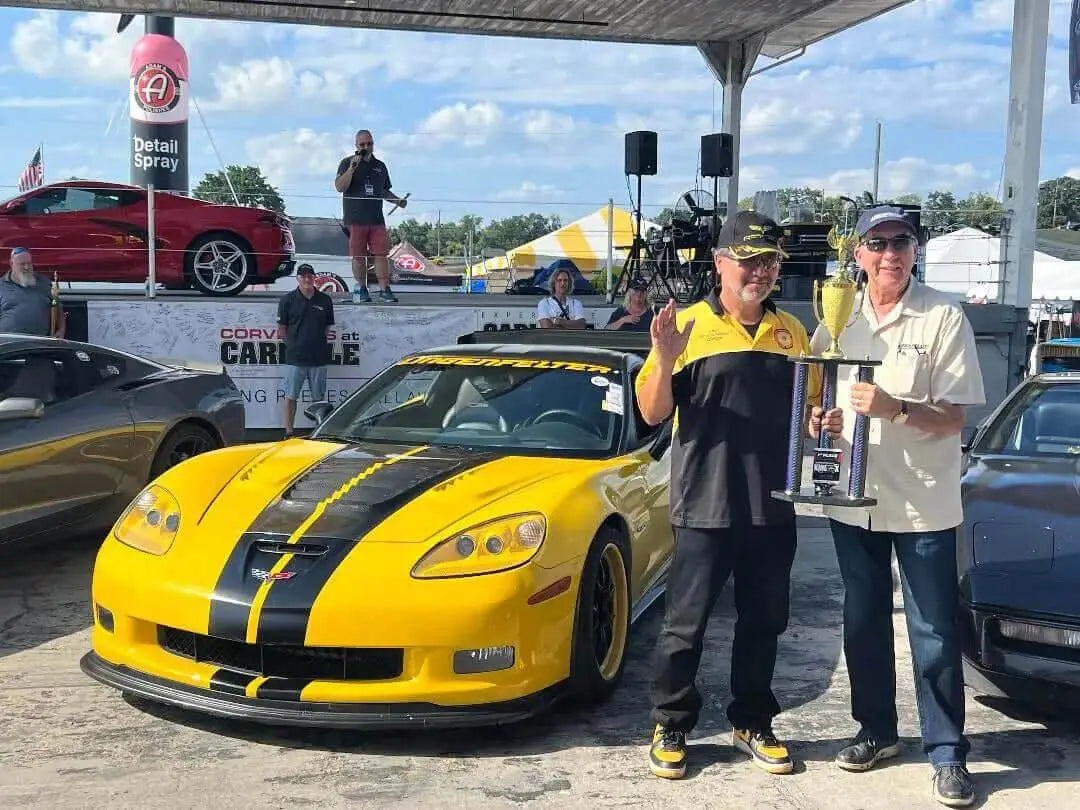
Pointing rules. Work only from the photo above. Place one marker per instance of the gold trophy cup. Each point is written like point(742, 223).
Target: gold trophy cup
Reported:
point(834, 301)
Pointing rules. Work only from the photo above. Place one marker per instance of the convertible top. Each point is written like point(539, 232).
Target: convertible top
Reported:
point(566, 342)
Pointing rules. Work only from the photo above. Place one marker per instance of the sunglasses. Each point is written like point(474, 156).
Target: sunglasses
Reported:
point(879, 243)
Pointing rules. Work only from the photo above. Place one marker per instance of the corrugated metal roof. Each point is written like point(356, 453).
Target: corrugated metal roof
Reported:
point(790, 24)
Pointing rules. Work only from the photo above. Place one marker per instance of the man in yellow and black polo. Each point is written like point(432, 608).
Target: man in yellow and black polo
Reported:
point(722, 366)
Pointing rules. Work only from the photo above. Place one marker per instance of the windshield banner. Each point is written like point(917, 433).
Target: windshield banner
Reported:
point(241, 337)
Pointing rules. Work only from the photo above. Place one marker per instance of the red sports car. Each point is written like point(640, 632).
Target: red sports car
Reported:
point(97, 231)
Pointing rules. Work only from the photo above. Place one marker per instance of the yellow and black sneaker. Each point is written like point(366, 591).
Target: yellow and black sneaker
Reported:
point(667, 755)
point(768, 753)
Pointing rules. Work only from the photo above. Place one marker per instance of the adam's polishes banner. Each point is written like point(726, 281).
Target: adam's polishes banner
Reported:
point(159, 113)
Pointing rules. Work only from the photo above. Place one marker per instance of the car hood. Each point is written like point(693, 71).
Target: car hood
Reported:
point(315, 489)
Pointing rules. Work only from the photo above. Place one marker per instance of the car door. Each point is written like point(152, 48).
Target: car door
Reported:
point(77, 233)
point(647, 488)
point(62, 468)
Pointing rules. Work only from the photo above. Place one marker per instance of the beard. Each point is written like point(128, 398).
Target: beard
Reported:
point(24, 278)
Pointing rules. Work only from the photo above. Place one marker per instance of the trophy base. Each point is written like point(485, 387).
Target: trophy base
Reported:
point(835, 499)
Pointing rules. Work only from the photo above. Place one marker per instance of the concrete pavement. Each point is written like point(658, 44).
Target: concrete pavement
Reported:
point(66, 741)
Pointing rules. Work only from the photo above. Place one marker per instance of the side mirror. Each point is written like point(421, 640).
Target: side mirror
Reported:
point(318, 411)
point(21, 408)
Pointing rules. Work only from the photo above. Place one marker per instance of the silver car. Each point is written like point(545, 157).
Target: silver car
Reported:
point(84, 428)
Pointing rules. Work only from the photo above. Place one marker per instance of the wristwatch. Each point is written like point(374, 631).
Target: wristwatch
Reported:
point(902, 415)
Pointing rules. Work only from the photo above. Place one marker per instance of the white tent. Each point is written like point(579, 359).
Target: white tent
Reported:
point(967, 264)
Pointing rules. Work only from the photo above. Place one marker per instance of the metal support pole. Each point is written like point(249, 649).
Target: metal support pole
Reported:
point(610, 243)
point(829, 370)
point(731, 122)
point(877, 160)
point(151, 245)
point(1023, 147)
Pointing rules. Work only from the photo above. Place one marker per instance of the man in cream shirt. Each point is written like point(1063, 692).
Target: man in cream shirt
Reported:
point(929, 374)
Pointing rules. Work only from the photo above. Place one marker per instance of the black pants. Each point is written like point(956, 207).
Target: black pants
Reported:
point(760, 558)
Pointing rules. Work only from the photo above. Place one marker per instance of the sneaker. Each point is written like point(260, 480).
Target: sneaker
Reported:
point(952, 786)
point(768, 753)
point(667, 755)
point(360, 295)
point(864, 752)
point(388, 296)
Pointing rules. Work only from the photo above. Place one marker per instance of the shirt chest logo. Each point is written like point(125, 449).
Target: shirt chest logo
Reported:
point(783, 338)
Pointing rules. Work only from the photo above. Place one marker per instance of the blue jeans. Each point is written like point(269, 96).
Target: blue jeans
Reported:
point(928, 576)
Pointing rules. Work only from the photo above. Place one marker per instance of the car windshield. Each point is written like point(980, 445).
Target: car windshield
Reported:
point(1044, 420)
point(526, 405)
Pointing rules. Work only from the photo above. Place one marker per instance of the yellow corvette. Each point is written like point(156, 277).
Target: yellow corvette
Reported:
point(463, 541)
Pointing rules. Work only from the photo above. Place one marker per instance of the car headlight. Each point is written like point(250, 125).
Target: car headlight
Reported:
point(498, 545)
point(150, 522)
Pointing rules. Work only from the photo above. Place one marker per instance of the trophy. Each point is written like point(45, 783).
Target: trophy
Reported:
point(834, 301)
point(54, 304)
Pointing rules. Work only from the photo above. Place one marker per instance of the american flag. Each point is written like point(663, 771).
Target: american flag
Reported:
point(34, 173)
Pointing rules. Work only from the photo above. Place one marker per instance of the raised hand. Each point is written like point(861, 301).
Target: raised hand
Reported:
point(667, 340)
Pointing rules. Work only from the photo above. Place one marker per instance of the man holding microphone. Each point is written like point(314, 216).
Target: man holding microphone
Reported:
point(364, 182)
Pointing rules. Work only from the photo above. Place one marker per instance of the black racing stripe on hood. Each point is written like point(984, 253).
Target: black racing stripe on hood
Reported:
point(230, 681)
point(287, 608)
point(230, 604)
point(286, 513)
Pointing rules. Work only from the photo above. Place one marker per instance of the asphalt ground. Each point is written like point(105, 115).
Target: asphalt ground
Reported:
point(66, 741)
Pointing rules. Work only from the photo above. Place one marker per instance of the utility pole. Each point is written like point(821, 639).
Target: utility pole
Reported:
point(877, 161)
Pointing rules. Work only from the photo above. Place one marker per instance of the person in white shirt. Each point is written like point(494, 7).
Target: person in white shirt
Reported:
point(929, 374)
point(560, 310)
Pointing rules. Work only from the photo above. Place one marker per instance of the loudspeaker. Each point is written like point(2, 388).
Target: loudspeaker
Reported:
point(641, 153)
point(717, 156)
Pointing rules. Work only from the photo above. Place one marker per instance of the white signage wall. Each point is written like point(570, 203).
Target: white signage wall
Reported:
point(241, 336)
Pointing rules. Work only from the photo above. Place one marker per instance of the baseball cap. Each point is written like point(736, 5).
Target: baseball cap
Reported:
point(881, 214)
point(305, 269)
point(749, 233)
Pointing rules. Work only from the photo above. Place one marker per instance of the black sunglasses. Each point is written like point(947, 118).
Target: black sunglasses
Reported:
point(879, 243)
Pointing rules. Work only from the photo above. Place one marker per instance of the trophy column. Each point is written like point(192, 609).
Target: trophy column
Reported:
point(857, 477)
point(795, 428)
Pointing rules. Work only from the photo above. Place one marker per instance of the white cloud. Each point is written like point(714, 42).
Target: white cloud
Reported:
point(1074, 173)
point(301, 154)
point(42, 103)
point(459, 123)
point(529, 191)
point(266, 84)
point(906, 175)
point(543, 125)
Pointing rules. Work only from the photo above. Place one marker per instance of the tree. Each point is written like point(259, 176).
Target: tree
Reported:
point(513, 231)
point(1059, 202)
point(252, 189)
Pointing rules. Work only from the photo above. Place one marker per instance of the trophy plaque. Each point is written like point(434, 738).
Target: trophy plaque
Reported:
point(834, 301)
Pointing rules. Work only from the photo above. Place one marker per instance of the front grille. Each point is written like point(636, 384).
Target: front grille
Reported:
point(287, 660)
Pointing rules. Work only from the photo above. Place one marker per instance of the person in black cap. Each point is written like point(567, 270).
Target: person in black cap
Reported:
point(635, 314)
point(305, 316)
point(722, 367)
point(929, 375)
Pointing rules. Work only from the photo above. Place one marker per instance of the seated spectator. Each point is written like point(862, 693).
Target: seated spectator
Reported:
point(560, 310)
point(635, 315)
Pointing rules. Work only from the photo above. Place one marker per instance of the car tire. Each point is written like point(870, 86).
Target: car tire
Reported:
point(224, 252)
point(601, 619)
point(183, 442)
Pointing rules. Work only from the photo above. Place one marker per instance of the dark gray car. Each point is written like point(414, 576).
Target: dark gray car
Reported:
point(84, 428)
point(1019, 549)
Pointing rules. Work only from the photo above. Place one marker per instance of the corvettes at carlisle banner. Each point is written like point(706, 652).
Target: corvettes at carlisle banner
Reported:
point(241, 336)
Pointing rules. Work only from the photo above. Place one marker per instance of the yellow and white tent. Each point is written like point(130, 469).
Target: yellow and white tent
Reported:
point(584, 242)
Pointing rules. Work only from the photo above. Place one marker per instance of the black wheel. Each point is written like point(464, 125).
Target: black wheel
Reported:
point(219, 264)
point(602, 619)
point(184, 442)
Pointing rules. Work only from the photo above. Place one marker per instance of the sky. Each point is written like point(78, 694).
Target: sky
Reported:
point(497, 126)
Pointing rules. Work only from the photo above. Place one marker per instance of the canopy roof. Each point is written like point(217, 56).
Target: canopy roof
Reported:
point(789, 24)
